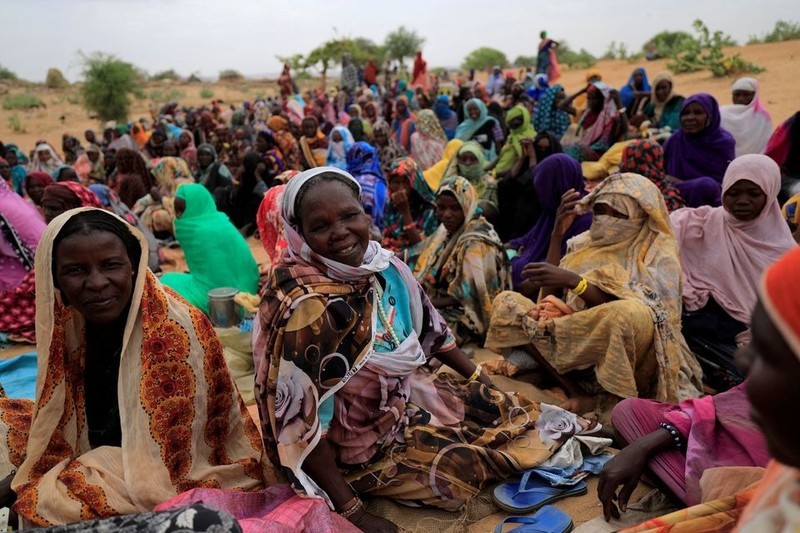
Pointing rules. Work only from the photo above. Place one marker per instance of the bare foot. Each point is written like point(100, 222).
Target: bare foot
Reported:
point(501, 367)
point(580, 404)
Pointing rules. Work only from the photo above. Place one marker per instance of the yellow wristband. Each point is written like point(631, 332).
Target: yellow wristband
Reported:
point(581, 287)
point(475, 375)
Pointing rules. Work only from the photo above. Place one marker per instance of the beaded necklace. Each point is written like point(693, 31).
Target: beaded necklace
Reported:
point(384, 318)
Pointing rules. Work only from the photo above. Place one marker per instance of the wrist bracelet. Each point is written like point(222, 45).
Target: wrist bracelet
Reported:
point(350, 510)
point(674, 433)
point(409, 227)
point(475, 375)
point(581, 287)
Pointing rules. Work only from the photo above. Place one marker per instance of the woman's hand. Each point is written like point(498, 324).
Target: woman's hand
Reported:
point(369, 523)
point(547, 275)
point(624, 470)
point(566, 213)
point(399, 201)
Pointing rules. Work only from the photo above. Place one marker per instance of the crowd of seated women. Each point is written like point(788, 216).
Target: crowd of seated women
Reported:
point(612, 242)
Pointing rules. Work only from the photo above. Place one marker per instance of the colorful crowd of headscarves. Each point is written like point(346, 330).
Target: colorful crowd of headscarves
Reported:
point(547, 116)
point(476, 173)
point(751, 124)
point(50, 164)
point(286, 142)
point(364, 165)
point(540, 85)
point(469, 127)
point(646, 158)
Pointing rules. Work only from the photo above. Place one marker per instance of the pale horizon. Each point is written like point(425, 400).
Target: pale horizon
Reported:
point(205, 36)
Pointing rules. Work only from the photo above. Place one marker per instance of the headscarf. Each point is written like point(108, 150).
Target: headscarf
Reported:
point(751, 124)
point(165, 342)
point(706, 153)
point(609, 112)
point(270, 223)
point(447, 117)
point(170, 172)
point(784, 146)
point(392, 150)
point(337, 151)
point(402, 125)
point(21, 228)
point(22, 159)
point(555, 146)
point(637, 259)
point(363, 164)
point(659, 105)
point(723, 257)
point(427, 144)
point(512, 149)
point(593, 73)
point(86, 169)
point(469, 127)
point(781, 303)
point(285, 140)
point(71, 195)
point(626, 94)
point(437, 172)
point(52, 164)
point(547, 117)
point(40, 178)
point(442, 257)
point(646, 158)
point(541, 83)
point(189, 154)
point(551, 179)
point(476, 174)
point(216, 253)
point(376, 259)
point(420, 203)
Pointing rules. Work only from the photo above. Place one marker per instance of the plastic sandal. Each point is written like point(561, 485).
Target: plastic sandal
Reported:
point(531, 493)
point(548, 519)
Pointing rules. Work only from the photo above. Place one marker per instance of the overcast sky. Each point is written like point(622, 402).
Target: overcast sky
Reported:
point(246, 35)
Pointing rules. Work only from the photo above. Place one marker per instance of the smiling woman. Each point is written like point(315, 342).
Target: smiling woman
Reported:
point(124, 386)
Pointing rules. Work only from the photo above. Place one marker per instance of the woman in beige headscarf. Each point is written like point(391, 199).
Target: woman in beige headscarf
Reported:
point(621, 282)
point(134, 403)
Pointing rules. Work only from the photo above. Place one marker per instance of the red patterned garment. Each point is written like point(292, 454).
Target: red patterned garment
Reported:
point(183, 422)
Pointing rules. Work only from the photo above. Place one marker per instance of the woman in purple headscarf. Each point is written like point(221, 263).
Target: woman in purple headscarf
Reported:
point(552, 178)
point(698, 154)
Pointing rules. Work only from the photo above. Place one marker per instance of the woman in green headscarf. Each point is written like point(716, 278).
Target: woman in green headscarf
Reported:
point(217, 254)
point(518, 120)
point(470, 163)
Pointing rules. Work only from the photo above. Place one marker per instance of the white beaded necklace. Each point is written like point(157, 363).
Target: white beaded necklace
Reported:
point(383, 317)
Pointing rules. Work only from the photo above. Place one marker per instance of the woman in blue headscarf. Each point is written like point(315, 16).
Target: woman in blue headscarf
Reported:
point(364, 165)
point(539, 86)
point(480, 127)
point(340, 142)
point(548, 115)
point(637, 83)
point(447, 117)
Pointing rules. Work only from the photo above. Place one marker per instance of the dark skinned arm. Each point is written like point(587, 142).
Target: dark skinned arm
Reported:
point(445, 301)
point(625, 470)
point(456, 360)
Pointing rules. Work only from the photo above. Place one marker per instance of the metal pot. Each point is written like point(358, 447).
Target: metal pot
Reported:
point(222, 309)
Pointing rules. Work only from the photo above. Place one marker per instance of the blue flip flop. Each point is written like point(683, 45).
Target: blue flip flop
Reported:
point(531, 493)
point(548, 519)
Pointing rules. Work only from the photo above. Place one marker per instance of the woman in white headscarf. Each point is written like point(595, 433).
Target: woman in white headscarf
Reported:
point(747, 119)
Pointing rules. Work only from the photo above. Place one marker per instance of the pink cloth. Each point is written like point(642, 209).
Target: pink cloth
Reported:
point(718, 432)
point(276, 509)
point(28, 225)
point(722, 257)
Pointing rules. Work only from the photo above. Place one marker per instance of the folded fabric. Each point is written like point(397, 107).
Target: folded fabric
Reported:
point(18, 376)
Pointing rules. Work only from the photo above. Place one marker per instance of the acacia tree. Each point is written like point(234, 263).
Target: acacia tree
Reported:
point(484, 58)
point(402, 43)
point(107, 83)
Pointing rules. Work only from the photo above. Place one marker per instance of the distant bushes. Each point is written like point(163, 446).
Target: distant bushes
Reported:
point(573, 59)
point(206, 92)
point(55, 79)
point(706, 54)
point(7, 75)
point(230, 75)
point(170, 75)
point(108, 82)
point(783, 31)
point(22, 101)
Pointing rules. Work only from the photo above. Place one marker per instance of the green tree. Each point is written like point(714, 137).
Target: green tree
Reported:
point(485, 57)
point(170, 75)
point(670, 43)
point(6, 74)
point(402, 43)
point(55, 79)
point(107, 83)
point(525, 61)
point(573, 59)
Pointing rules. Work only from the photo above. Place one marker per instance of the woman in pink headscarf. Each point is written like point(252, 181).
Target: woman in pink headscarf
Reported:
point(724, 250)
point(747, 119)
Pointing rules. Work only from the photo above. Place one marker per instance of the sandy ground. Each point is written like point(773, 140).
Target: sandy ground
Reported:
point(64, 113)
